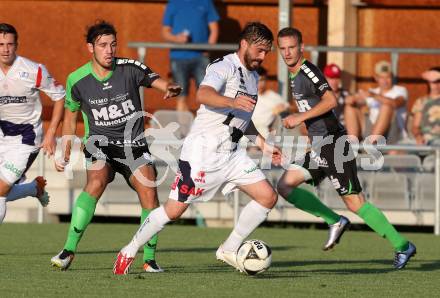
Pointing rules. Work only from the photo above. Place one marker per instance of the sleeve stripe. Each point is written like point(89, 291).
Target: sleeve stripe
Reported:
point(39, 77)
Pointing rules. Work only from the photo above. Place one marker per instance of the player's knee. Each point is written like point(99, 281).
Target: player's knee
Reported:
point(286, 184)
point(283, 188)
point(353, 202)
point(273, 198)
point(95, 186)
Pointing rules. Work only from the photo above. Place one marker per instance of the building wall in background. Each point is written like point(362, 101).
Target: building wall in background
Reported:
point(399, 27)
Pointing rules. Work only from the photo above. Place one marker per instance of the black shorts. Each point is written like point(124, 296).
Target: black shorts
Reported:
point(335, 161)
point(122, 159)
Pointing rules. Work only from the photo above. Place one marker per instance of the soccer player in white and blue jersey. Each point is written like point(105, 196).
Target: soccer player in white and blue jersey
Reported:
point(21, 129)
point(210, 157)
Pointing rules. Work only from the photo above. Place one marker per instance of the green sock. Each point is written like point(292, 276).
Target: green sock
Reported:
point(310, 203)
point(377, 221)
point(150, 246)
point(81, 217)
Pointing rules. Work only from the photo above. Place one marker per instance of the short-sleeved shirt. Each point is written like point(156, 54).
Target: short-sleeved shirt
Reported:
point(308, 85)
point(111, 106)
point(192, 17)
point(394, 93)
point(215, 132)
point(430, 125)
point(20, 104)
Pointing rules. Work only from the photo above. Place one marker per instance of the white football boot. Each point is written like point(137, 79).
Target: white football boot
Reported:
point(228, 257)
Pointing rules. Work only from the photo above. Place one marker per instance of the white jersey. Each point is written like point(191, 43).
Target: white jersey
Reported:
point(20, 104)
point(394, 93)
point(215, 132)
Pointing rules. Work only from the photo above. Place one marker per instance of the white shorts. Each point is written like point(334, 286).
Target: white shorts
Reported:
point(15, 159)
point(196, 185)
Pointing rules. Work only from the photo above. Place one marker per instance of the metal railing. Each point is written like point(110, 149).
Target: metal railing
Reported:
point(142, 48)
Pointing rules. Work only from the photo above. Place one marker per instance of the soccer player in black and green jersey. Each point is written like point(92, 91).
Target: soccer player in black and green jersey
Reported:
point(315, 101)
point(106, 91)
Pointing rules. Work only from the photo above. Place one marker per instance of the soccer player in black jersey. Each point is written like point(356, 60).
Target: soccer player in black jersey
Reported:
point(327, 158)
point(106, 91)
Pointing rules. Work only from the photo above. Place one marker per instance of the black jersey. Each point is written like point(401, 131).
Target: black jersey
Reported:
point(307, 86)
point(108, 104)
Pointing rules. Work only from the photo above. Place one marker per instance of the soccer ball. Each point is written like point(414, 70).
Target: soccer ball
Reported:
point(254, 256)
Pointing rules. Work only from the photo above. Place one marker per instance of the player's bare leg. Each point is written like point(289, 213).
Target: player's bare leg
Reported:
point(36, 189)
point(383, 122)
point(354, 120)
point(143, 181)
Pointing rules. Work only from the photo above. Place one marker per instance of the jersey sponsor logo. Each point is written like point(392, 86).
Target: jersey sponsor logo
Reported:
point(131, 61)
point(23, 74)
point(185, 189)
point(254, 97)
point(310, 73)
point(191, 191)
point(13, 99)
point(200, 177)
point(303, 105)
point(99, 101)
point(114, 111)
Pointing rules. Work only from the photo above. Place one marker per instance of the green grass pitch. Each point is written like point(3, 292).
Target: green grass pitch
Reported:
point(360, 266)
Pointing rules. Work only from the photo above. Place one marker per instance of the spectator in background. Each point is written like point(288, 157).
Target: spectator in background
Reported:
point(189, 21)
point(269, 105)
point(387, 108)
point(332, 73)
point(426, 110)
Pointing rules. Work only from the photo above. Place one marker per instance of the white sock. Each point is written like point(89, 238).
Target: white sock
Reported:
point(2, 208)
point(252, 215)
point(20, 191)
point(152, 225)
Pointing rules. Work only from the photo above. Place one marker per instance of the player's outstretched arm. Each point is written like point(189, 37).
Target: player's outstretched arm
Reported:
point(255, 137)
point(49, 143)
point(69, 130)
point(170, 89)
point(207, 95)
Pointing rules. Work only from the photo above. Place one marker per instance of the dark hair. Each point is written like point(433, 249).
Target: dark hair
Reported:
point(256, 32)
point(7, 28)
point(262, 72)
point(101, 27)
point(293, 32)
point(436, 68)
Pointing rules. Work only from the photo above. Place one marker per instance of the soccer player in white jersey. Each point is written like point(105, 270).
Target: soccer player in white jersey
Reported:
point(21, 130)
point(210, 157)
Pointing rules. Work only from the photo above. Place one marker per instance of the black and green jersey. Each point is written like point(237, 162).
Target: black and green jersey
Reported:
point(308, 85)
point(111, 104)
